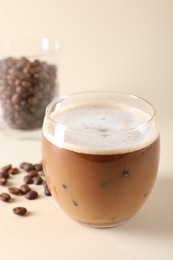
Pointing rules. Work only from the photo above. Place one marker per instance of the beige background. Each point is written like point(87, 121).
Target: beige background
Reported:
point(106, 44)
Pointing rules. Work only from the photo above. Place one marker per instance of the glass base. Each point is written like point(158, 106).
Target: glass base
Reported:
point(102, 225)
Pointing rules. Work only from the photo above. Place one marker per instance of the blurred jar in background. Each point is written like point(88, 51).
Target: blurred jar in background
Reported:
point(29, 80)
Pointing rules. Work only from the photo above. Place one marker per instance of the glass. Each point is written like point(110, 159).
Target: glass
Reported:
point(29, 80)
point(100, 155)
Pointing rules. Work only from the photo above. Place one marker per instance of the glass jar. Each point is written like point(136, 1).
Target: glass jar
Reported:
point(29, 80)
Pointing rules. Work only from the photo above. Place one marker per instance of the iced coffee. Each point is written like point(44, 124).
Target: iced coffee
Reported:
point(100, 156)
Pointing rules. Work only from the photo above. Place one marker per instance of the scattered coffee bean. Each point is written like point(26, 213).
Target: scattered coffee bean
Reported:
point(6, 168)
point(31, 195)
point(5, 197)
point(28, 179)
point(4, 174)
point(26, 87)
point(3, 181)
point(13, 171)
point(14, 190)
point(46, 190)
point(24, 188)
point(20, 211)
point(37, 180)
point(33, 173)
point(26, 166)
point(38, 167)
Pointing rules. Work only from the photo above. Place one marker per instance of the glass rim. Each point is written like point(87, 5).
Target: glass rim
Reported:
point(125, 94)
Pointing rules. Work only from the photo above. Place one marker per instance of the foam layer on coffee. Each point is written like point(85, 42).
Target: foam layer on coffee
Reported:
point(100, 129)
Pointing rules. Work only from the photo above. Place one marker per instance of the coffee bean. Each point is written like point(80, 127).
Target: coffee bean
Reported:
point(24, 188)
point(14, 190)
point(19, 211)
point(33, 173)
point(37, 180)
point(4, 174)
point(3, 181)
point(38, 167)
point(31, 195)
point(13, 171)
point(15, 99)
point(6, 168)
point(5, 197)
point(28, 179)
point(26, 166)
point(47, 191)
point(27, 86)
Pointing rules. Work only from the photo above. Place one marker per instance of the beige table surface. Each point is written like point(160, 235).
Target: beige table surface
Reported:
point(47, 233)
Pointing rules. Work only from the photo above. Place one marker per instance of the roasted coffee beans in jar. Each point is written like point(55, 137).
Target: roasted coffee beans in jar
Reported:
point(27, 84)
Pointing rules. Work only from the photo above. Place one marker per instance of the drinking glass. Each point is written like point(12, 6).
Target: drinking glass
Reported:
point(100, 155)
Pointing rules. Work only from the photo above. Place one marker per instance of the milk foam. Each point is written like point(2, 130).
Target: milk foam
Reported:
point(100, 129)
